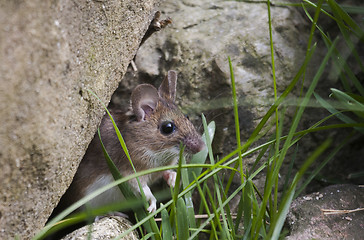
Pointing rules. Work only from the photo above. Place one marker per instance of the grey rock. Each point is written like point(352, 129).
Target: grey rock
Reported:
point(306, 219)
point(105, 228)
point(51, 53)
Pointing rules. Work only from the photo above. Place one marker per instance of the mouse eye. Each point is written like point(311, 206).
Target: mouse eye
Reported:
point(167, 127)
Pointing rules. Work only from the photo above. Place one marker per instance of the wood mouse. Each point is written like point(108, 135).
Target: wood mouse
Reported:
point(153, 129)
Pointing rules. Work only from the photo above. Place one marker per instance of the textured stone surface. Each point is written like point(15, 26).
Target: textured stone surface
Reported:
point(307, 221)
point(51, 52)
point(106, 228)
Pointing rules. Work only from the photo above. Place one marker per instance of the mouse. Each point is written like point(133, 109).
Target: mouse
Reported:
point(153, 128)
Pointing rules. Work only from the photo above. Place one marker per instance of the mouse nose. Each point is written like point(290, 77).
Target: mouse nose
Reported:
point(194, 144)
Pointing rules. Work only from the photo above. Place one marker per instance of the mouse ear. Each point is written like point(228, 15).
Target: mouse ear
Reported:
point(144, 99)
point(167, 89)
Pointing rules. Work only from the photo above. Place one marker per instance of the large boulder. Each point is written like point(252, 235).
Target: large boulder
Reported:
point(51, 54)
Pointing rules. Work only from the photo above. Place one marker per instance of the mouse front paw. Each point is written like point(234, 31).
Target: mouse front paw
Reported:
point(151, 199)
point(170, 177)
point(152, 207)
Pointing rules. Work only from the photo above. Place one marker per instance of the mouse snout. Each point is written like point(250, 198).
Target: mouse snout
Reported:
point(194, 144)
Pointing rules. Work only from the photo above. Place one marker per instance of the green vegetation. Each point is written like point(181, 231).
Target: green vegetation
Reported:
point(260, 215)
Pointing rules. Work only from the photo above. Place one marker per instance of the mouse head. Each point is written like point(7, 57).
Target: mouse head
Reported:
point(159, 120)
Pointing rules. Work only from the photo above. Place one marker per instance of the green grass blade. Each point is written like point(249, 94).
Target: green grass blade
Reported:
point(349, 103)
point(282, 213)
point(274, 86)
point(203, 203)
point(224, 227)
point(209, 147)
point(341, 116)
point(200, 157)
point(148, 236)
point(178, 178)
point(342, 17)
point(237, 130)
point(276, 226)
point(182, 221)
point(229, 219)
point(176, 190)
point(310, 39)
point(289, 172)
point(188, 174)
point(339, 61)
point(209, 219)
point(259, 158)
point(124, 187)
point(166, 225)
point(208, 141)
point(340, 14)
point(287, 144)
point(313, 5)
point(188, 199)
point(188, 196)
point(346, 74)
point(247, 203)
point(217, 189)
